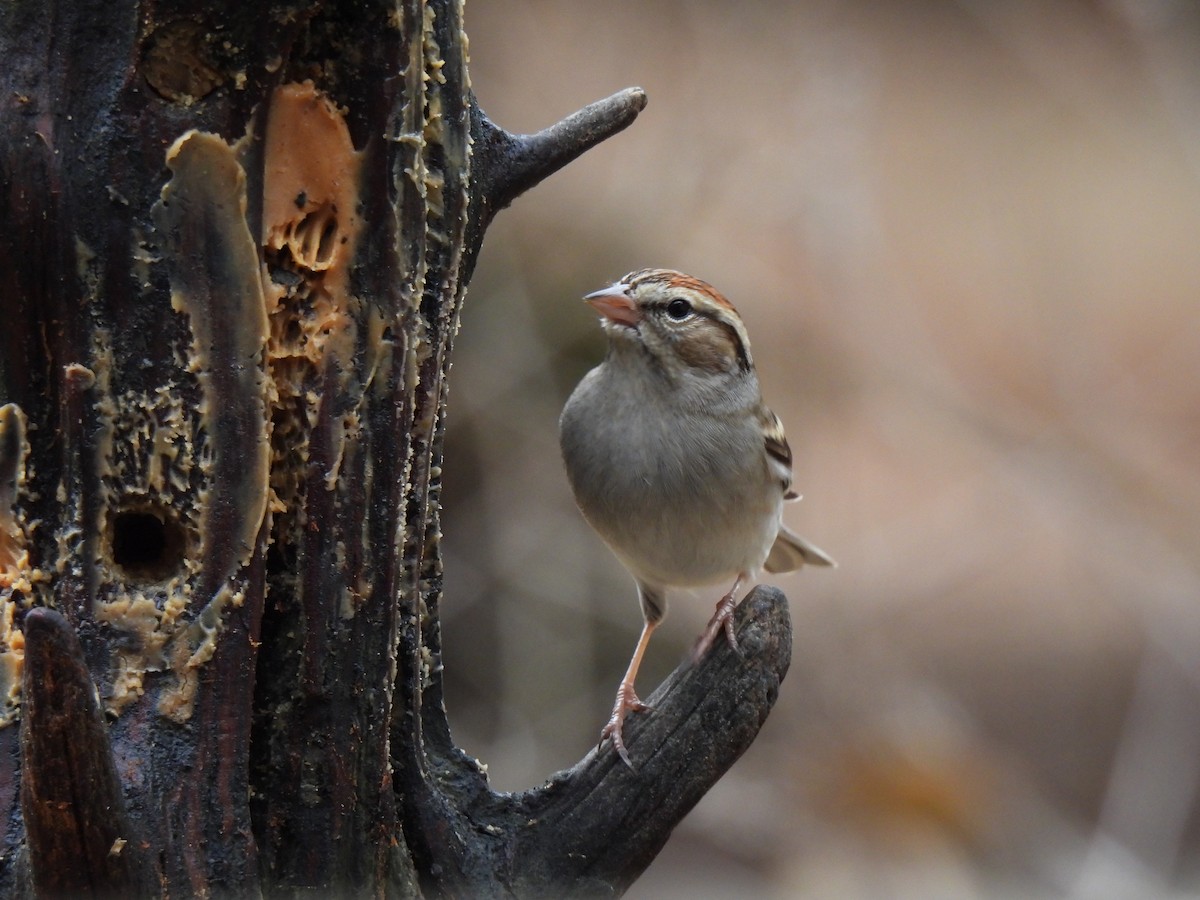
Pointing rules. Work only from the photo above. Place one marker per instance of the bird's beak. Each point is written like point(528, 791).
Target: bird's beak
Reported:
point(615, 305)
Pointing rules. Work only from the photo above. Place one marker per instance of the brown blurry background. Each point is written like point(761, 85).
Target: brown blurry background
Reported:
point(964, 238)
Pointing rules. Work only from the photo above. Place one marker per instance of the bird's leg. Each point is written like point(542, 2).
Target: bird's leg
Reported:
point(627, 699)
point(722, 620)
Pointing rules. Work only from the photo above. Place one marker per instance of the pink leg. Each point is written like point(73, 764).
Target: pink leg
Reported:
point(627, 699)
point(722, 620)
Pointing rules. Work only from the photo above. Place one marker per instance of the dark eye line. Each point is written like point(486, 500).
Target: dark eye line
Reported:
point(696, 313)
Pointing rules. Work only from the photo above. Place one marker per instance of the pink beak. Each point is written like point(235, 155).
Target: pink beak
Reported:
point(613, 303)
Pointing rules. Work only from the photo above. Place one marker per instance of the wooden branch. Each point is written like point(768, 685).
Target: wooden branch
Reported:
point(80, 840)
point(592, 830)
point(513, 163)
point(506, 165)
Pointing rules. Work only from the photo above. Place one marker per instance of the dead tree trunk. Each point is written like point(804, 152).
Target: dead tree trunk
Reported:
point(234, 240)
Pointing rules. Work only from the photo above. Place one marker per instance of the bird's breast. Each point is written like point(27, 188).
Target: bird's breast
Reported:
point(682, 499)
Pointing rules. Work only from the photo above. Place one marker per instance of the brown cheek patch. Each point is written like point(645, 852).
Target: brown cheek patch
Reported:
point(708, 347)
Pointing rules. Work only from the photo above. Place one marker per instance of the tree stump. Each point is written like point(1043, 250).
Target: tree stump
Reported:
point(237, 238)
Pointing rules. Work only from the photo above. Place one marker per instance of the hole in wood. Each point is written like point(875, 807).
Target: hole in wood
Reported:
point(313, 239)
point(147, 543)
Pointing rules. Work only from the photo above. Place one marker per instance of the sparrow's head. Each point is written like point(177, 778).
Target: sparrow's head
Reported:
point(683, 323)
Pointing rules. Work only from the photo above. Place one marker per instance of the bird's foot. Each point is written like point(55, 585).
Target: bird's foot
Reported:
point(722, 620)
point(627, 700)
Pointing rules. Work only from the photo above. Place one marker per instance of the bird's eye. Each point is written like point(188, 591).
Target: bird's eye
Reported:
point(679, 309)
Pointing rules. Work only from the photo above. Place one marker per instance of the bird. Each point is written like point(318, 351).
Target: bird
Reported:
point(675, 460)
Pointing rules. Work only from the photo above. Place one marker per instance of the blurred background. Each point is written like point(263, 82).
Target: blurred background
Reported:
point(964, 238)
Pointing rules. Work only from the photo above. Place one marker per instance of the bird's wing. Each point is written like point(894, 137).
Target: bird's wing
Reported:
point(779, 454)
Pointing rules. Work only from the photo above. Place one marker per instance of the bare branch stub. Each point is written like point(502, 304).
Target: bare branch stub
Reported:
point(592, 830)
point(506, 165)
point(600, 826)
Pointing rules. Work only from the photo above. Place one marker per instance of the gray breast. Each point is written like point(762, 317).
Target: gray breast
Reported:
point(680, 502)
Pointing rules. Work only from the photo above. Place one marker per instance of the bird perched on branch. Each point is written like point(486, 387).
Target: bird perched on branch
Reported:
point(673, 457)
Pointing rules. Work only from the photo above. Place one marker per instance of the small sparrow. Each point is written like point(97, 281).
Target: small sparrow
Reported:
point(673, 457)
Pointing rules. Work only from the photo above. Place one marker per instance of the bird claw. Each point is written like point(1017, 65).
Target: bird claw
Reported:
point(627, 701)
point(722, 620)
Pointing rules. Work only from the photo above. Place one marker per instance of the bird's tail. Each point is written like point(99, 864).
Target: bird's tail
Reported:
point(790, 551)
